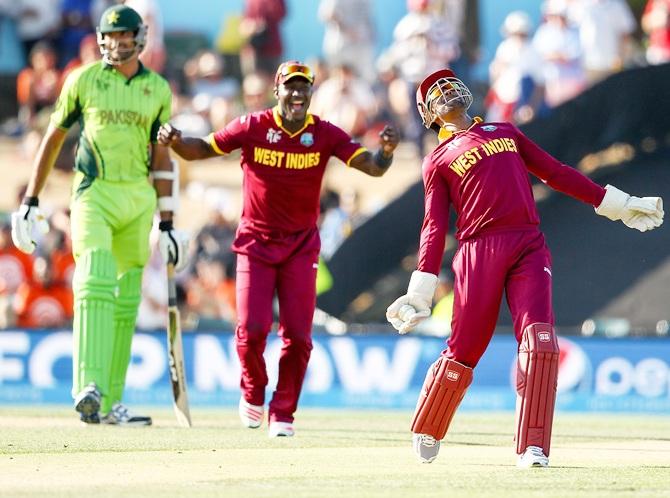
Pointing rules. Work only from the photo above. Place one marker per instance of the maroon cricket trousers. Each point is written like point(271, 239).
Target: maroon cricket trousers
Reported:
point(285, 264)
point(517, 262)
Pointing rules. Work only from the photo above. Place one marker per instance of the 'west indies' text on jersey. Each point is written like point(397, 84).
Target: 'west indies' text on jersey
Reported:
point(283, 170)
point(483, 173)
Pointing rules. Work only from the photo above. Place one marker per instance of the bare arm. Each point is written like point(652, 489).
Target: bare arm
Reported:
point(45, 159)
point(378, 163)
point(189, 148)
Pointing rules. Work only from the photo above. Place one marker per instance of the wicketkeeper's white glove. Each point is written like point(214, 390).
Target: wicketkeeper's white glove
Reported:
point(641, 213)
point(27, 218)
point(407, 311)
point(173, 245)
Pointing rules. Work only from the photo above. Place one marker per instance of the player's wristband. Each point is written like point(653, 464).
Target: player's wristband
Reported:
point(31, 201)
point(167, 203)
point(381, 160)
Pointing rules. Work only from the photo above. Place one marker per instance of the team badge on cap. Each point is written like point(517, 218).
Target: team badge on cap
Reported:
point(307, 139)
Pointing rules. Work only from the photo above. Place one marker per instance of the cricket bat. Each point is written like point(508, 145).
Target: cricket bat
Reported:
point(176, 354)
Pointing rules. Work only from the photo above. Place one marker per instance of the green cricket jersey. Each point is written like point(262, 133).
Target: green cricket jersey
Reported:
point(119, 117)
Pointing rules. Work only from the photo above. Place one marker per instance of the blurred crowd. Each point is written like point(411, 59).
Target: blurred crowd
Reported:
point(536, 67)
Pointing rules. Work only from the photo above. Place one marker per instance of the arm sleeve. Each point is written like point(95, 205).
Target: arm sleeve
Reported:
point(344, 147)
point(435, 220)
point(230, 137)
point(557, 175)
point(68, 109)
point(163, 115)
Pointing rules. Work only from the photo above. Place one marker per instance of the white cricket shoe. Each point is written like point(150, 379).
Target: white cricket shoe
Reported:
point(87, 403)
point(532, 457)
point(250, 415)
point(281, 429)
point(120, 415)
point(426, 447)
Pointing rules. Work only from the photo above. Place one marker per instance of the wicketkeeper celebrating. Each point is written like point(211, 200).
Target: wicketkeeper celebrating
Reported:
point(285, 151)
point(120, 105)
point(482, 170)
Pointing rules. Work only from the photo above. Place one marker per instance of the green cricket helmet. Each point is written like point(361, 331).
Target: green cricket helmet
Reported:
point(116, 19)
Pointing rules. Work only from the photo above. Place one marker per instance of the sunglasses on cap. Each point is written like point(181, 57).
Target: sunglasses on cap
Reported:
point(288, 71)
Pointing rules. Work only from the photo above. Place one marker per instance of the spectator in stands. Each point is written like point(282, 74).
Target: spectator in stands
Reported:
point(42, 302)
point(153, 56)
point(339, 222)
point(216, 236)
point(211, 88)
point(36, 20)
point(345, 100)
point(88, 52)
point(605, 33)
point(210, 295)
point(256, 92)
point(558, 45)
point(37, 85)
point(260, 25)
point(517, 87)
point(656, 25)
point(460, 19)
point(348, 37)
point(16, 267)
point(419, 47)
point(76, 25)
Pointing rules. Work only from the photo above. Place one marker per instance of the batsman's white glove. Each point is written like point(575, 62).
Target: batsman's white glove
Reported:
point(173, 245)
point(641, 213)
point(24, 221)
point(407, 311)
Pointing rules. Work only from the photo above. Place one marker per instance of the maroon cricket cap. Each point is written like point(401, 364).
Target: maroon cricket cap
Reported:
point(293, 69)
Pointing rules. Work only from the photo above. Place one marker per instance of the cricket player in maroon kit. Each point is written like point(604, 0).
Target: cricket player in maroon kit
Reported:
point(284, 155)
point(481, 169)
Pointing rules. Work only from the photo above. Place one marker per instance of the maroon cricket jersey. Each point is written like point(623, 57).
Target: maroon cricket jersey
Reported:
point(483, 173)
point(282, 170)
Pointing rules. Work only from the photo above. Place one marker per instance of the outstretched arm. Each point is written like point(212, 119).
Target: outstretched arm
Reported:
point(378, 163)
point(189, 148)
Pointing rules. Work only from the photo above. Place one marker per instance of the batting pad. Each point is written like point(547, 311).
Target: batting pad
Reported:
point(442, 392)
point(125, 316)
point(93, 286)
point(536, 377)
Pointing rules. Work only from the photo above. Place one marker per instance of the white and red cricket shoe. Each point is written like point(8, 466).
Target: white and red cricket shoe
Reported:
point(279, 429)
point(250, 415)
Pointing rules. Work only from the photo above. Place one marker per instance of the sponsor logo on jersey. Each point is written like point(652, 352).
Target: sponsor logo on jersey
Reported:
point(489, 128)
point(273, 136)
point(307, 139)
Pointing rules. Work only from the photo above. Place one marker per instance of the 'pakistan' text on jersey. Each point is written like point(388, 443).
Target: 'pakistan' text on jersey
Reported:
point(483, 173)
point(119, 117)
point(283, 170)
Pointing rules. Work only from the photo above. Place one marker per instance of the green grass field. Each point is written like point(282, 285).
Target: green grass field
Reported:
point(46, 452)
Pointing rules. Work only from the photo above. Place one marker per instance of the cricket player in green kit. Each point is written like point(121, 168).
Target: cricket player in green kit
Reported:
point(120, 106)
